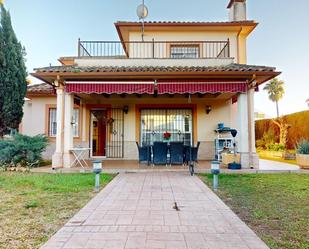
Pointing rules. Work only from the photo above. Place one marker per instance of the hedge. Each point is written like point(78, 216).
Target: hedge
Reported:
point(299, 130)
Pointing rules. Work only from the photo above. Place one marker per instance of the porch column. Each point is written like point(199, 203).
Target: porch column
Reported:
point(245, 120)
point(253, 156)
point(57, 159)
point(68, 131)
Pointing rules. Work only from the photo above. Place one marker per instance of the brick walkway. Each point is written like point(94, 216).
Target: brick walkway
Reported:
point(136, 211)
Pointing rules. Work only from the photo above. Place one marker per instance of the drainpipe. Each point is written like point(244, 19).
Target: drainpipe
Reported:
point(238, 52)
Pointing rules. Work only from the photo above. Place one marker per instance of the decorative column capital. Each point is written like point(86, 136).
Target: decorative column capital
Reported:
point(59, 90)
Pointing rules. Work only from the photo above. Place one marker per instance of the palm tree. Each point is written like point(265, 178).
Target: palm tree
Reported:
point(275, 89)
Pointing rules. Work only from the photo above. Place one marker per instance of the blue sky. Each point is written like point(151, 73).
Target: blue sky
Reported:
point(50, 29)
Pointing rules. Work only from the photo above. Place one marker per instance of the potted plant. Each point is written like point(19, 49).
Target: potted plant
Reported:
point(302, 154)
point(166, 136)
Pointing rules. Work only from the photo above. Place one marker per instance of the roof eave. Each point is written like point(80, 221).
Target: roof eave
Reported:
point(50, 76)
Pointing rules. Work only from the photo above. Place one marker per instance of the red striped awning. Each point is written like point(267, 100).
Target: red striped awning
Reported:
point(192, 87)
point(110, 87)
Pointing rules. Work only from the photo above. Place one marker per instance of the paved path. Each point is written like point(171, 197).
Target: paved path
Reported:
point(273, 165)
point(136, 211)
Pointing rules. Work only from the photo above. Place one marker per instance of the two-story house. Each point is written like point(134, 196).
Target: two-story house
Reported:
point(178, 77)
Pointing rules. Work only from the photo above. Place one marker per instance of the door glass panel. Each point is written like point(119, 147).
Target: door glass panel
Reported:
point(155, 122)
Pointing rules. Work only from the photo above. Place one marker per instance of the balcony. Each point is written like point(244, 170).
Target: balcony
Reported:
point(154, 53)
point(155, 49)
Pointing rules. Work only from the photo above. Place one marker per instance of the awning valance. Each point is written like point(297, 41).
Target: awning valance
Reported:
point(150, 87)
point(192, 87)
point(110, 87)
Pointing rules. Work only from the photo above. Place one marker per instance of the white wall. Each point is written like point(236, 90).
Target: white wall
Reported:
point(33, 122)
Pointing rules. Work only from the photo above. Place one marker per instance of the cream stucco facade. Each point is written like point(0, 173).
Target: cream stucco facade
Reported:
point(207, 55)
point(223, 111)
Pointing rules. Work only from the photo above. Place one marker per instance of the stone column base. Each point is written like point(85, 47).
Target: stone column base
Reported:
point(67, 160)
point(57, 161)
point(244, 160)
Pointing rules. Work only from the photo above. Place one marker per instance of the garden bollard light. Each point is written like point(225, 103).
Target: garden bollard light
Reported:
point(97, 169)
point(215, 170)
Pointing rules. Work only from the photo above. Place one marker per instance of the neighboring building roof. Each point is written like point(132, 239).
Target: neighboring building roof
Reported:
point(228, 68)
point(42, 88)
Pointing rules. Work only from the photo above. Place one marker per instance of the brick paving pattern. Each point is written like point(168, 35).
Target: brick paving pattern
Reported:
point(137, 210)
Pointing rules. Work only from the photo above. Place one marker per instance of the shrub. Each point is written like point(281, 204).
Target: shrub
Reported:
point(303, 147)
point(22, 150)
point(268, 138)
point(298, 129)
point(275, 147)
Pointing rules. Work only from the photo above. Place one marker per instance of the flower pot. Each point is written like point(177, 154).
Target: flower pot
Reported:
point(302, 160)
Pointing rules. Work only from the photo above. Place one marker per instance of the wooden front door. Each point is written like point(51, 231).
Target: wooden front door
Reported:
point(98, 139)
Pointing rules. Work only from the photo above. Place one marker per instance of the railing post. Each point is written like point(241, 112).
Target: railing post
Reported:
point(78, 47)
point(153, 48)
point(228, 47)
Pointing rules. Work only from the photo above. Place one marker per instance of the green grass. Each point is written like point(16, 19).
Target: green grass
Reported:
point(34, 206)
point(275, 206)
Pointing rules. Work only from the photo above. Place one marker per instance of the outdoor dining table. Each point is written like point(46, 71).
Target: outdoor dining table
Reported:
point(150, 153)
point(79, 154)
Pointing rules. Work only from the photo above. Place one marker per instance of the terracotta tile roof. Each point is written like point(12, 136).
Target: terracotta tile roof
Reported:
point(42, 88)
point(186, 23)
point(116, 69)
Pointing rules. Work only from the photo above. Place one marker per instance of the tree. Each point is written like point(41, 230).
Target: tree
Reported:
point(13, 75)
point(283, 130)
point(275, 89)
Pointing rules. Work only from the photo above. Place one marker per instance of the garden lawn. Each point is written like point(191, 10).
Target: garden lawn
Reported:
point(35, 206)
point(275, 206)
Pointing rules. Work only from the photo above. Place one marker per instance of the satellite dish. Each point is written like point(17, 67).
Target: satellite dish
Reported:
point(142, 11)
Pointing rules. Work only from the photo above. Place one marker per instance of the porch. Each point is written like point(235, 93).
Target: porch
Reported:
point(114, 115)
point(139, 104)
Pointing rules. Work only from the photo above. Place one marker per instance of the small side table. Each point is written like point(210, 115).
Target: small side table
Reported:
point(79, 157)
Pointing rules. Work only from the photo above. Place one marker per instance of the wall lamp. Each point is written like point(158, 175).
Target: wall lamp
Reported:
point(126, 109)
point(208, 109)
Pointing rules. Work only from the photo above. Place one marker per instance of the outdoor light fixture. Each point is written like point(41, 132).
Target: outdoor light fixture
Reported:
point(97, 169)
point(126, 109)
point(215, 170)
point(208, 109)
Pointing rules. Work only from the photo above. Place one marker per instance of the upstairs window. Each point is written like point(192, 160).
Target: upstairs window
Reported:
point(183, 51)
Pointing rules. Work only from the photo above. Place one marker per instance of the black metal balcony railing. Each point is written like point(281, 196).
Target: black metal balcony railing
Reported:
point(154, 49)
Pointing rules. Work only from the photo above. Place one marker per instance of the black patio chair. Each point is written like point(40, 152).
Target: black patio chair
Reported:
point(159, 150)
point(194, 153)
point(144, 153)
point(176, 153)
